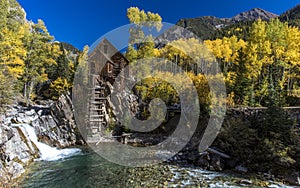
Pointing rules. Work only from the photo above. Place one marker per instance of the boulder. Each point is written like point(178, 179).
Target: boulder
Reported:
point(241, 168)
point(15, 169)
point(293, 179)
point(217, 163)
point(5, 134)
point(202, 162)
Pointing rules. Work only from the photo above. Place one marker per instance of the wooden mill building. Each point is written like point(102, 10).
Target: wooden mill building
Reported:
point(105, 63)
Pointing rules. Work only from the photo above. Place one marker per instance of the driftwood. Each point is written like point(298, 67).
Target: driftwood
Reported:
point(223, 155)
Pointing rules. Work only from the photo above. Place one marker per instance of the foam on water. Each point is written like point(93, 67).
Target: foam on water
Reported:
point(48, 153)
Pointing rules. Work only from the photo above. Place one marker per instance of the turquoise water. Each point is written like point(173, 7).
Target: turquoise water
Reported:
point(83, 170)
point(89, 170)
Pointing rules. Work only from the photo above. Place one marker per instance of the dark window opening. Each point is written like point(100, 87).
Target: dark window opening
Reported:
point(109, 68)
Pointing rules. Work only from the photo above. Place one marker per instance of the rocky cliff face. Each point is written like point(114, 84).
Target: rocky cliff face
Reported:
point(16, 151)
point(54, 125)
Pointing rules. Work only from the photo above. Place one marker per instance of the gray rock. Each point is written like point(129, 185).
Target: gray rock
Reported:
point(216, 163)
point(241, 168)
point(293, 179)
point(30, 112)
point(254, 14)
point(4, 177)
point(231, 163)
point(245, 182)
point(21, 118)
point(19, 148)
point(15, 169)
point(202, 162)
point(16, 152)
point(5, 134)
point(54, 124)
point(40, 112)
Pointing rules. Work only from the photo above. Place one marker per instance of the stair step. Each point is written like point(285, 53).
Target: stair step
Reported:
point(96, 93)
point(96, 102)
point(95, 120)
point(97, 115)
point(96, 109)
point(100, 115)
point(100, 98)
point(94, 88)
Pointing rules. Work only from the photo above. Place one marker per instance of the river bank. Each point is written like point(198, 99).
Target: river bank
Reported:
point(54, 126)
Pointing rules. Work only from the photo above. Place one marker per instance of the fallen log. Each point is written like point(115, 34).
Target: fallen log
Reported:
point(223, 155)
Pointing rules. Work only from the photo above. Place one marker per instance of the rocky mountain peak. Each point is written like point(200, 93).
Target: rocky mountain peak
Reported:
point(254, 14)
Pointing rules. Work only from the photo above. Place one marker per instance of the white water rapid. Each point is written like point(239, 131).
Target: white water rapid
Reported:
point(47, 153)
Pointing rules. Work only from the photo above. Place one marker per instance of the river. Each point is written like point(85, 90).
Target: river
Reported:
point(89, 170)
point(83, 168)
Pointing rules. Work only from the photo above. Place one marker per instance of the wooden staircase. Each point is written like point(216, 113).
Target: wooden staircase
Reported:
point(97, 112)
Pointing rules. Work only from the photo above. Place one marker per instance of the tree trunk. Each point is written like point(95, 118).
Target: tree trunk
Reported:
point(25, 93)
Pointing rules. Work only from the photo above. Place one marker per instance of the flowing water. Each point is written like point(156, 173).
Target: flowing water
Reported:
point(89, 170)
point(47, 153)
point(83, 168)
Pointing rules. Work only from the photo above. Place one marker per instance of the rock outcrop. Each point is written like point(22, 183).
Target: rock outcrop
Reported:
point(16, 151)
point(54, 125)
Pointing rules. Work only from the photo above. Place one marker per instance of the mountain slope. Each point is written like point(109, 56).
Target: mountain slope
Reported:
point(204, 27)
point(292, 16)
point(209, 27)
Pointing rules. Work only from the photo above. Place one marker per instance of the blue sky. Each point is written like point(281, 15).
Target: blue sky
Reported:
point(82, 22)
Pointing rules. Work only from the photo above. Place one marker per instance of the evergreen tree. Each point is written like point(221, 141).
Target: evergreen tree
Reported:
point(40, 55)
